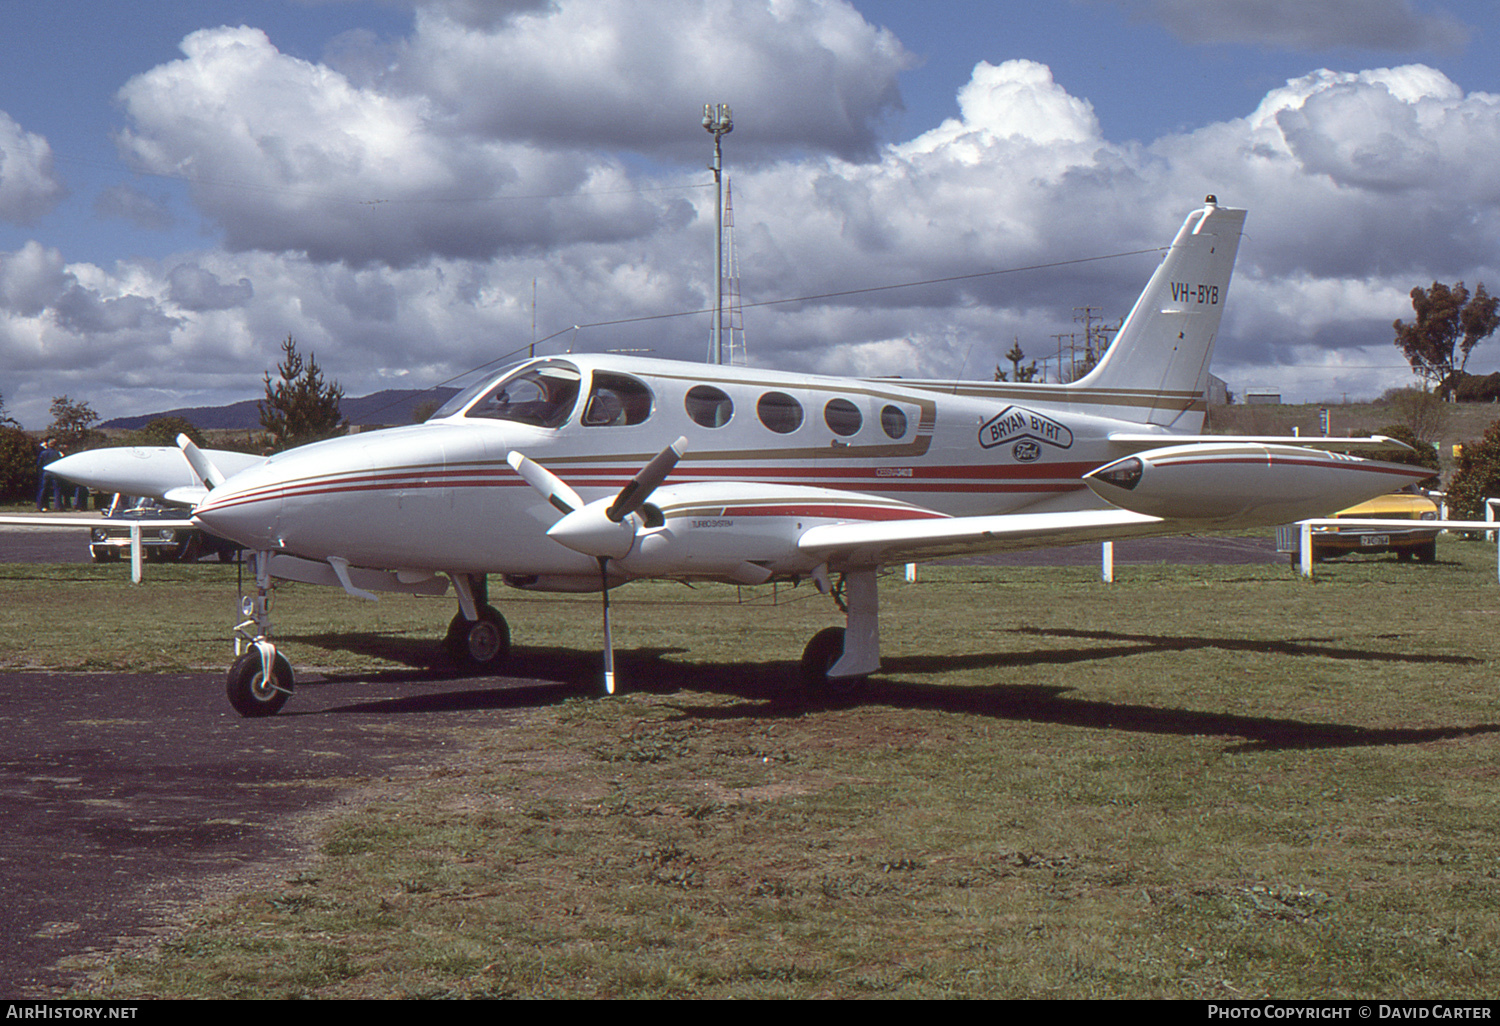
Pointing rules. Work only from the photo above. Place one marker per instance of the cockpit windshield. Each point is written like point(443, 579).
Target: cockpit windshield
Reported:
point(542, 394)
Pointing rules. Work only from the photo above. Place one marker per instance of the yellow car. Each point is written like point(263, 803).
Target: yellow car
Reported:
point(1406, 543)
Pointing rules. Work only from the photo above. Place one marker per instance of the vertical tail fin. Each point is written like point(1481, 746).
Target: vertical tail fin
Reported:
point(1158, 363)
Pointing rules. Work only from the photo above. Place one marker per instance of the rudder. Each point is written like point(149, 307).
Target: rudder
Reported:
point(1158, 362)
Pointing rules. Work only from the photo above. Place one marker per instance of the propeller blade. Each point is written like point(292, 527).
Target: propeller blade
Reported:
point(564, 498)
point(203, 467)
point(639, 488)
point(609, 642)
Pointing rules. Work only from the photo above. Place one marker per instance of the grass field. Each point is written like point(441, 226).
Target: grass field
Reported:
point(1195, 782)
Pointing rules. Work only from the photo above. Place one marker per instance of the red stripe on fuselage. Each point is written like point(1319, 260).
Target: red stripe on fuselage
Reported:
point(960, 479)
point(834, 512)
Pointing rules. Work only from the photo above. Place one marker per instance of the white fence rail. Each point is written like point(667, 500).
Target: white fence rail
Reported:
point(1304, 547)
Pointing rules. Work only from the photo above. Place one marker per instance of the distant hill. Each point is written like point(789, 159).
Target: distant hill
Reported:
point(392, 406)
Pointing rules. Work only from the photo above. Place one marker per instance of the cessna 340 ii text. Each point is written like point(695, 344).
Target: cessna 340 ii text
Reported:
point(583, 472)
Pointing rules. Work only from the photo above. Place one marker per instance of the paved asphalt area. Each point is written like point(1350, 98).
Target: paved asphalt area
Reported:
point(127, 796)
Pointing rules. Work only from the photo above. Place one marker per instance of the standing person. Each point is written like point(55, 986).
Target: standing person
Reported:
point(44, 480)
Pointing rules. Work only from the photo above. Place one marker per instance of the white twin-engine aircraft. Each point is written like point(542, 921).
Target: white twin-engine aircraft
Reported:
point(581, 473)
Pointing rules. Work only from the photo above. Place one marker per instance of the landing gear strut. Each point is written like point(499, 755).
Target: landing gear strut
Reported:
point(260, 680)
point(478, 638)
point(838, 659)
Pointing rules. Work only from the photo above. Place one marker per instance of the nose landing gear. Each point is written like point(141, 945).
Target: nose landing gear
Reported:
point(260, 679)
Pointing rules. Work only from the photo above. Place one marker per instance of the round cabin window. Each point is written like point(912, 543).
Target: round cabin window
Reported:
point(779, 412)
point(893, 421)
point(708, 406)
point(842, 417)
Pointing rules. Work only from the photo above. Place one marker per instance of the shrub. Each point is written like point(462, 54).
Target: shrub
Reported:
point(17, 465)
point(1423, 454)
point(1477, 477)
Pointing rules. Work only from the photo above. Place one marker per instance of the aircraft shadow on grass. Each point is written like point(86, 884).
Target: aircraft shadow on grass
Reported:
point(539, 677)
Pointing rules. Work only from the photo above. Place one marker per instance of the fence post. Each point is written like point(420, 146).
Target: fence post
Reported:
point(1107, 560)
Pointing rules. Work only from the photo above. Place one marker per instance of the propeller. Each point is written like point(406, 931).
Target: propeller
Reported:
point(602, 528)
point(203, 467)
point(549, 484)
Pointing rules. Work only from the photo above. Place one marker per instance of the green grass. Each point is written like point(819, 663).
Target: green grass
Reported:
point(1196, 782)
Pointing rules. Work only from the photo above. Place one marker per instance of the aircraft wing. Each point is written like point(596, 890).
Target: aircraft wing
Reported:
point(190, 495)
point(96, 520)
point(1136, 442)
point(911, 541)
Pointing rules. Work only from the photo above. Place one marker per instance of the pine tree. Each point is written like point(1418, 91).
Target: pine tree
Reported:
point(300, 407)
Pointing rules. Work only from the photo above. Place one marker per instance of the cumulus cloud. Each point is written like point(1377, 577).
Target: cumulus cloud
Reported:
point(363, 214)
point(486, 135)
point(1390, 25)
point(29, 187)
point(634, 74)
point(196, 288)
point(150, 213)
point(32, 279)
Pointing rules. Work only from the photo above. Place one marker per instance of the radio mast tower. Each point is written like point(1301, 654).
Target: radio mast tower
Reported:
point(719, 122)
point(734, 352)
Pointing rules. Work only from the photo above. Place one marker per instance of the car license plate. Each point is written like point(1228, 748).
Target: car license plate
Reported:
point(1371, 541)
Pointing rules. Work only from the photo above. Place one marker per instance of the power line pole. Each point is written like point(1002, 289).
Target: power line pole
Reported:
point(719, 122)
point(1096, 339)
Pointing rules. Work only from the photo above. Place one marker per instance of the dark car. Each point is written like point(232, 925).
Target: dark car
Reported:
point(110, 541)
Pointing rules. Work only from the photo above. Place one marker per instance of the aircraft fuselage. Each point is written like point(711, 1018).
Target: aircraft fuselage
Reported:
point(440, 496)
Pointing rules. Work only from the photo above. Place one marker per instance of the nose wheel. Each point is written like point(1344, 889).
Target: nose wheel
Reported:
point(260, 678)
point(255, 692)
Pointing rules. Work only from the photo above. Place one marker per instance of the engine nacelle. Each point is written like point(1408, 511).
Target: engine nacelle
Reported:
point(1245, 484)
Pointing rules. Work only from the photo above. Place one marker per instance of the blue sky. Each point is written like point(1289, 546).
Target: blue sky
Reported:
point(186, 183)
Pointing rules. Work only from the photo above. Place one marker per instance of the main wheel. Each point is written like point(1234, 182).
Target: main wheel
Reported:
point(249, 691)
point(479, 645)
point(1427, 552)
point(825, 649)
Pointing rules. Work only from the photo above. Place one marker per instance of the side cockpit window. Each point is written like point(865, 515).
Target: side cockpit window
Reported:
point(616, 400)
point(542, 394)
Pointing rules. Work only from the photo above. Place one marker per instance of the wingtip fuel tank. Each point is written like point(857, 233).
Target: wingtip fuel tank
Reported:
point(1245, 484)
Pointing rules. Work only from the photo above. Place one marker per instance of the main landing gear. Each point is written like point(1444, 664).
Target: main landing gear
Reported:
point(838, 659)
point(478, 638)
